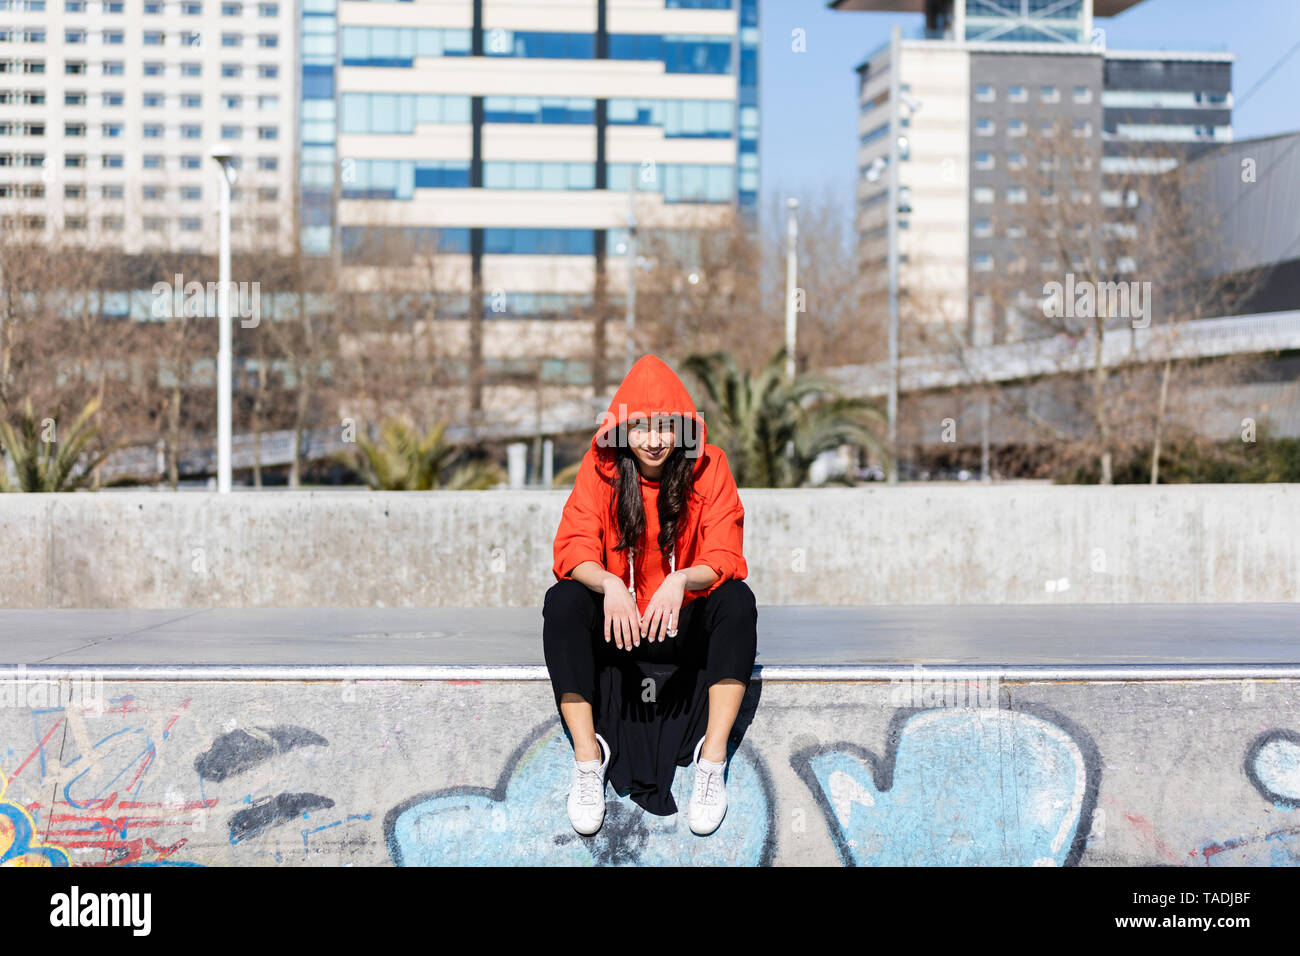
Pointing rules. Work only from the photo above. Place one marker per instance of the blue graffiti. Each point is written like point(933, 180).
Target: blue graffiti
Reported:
point(523, 821)
point(1273, 767)
point(962, 787)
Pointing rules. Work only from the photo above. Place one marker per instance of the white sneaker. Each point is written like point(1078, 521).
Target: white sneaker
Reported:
point(709, 798)
point(587, 792)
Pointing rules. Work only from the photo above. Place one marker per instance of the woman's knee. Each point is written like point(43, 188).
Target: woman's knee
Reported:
point(736, 596)
point(565, 598)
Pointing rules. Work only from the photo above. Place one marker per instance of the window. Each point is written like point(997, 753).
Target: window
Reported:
point(152, 131)
point(232, 9)
point(982, 262)
point(232, 39)
point(152, 100)
point(191, 69)
point(985, 126)
point(153, 68)
point(191, 161)
point(1015, 231)
point(1047, 128)
point(268, 193)
point(983, 228)
point(191, 224)
point(74, 160)
point(74, 6)
point(1015, 127)
point(151, 38)
point(111, 130)
point(152, 193)
point(74, 129)
point(113, 98)
point(982, 194)
point(230, 70)
point(153, 9)
point(232, 101)
point(268, 102)
point(1017, 94)
point(191, 193)
point(232, 132)
point(984, 161)
point(113, 68)
point(77, 98)
point(1016, 194)
point(1016, 161)
point(1082, 129)
point(984, 93)
point(268, 163)
point(74, 67)
point(154, 223)
point(268, 132)
point(191, 101)
point(153, 161)
point(1049, 94)
point(112, 161)
point(268, 9)
point(191, 131)
point(74, 36)
point(268, 41)
point(267, 71)
point(1083, 94)
point(192, 9)
point(113, 223)
point(1047, 263)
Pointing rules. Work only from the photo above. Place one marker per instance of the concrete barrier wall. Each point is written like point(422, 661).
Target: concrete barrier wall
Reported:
point(910, 545)
point(1182, 773)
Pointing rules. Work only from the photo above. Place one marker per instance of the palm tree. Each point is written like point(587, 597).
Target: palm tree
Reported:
point(50, 463)
point(754, 418)
point(403, 461)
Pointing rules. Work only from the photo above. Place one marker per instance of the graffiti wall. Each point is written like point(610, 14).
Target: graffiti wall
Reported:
point(1199, 773)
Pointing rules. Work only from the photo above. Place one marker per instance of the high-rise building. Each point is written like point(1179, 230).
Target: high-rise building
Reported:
point(109, 110)
point(509, 140)
point(994, 98)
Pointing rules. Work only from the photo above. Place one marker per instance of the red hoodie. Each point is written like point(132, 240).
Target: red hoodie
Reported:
point(711, 530)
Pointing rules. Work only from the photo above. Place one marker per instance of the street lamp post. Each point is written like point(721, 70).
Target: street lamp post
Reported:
point(791, 282)
point(895, 44)
point(226, 178)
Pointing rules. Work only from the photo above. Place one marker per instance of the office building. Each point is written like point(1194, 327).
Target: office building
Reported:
point(1004, 107)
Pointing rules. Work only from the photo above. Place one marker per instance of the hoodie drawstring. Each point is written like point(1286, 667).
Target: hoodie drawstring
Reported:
point(631, 575)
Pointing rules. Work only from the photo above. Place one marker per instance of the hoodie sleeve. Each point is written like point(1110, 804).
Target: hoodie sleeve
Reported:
point(722, 528)
point(580, 536)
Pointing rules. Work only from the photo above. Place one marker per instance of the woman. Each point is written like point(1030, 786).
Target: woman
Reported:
point(650, 629)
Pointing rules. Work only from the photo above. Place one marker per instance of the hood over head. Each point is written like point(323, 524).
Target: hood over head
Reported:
point(649, 388)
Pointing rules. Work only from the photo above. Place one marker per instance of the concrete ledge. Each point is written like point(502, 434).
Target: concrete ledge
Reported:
point(875, 546)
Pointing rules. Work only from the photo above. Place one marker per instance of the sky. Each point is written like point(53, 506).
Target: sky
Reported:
point(808, 100)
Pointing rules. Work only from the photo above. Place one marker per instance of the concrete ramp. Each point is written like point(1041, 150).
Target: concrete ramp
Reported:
point(147, 740)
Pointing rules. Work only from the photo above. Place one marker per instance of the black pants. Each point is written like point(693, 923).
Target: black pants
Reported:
point(651, 703)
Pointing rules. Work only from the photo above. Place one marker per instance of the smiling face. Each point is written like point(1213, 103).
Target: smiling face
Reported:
point(650, 441)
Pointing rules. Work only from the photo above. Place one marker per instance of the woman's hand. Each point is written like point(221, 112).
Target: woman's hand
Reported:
point(665, 608)
point(622, 621)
